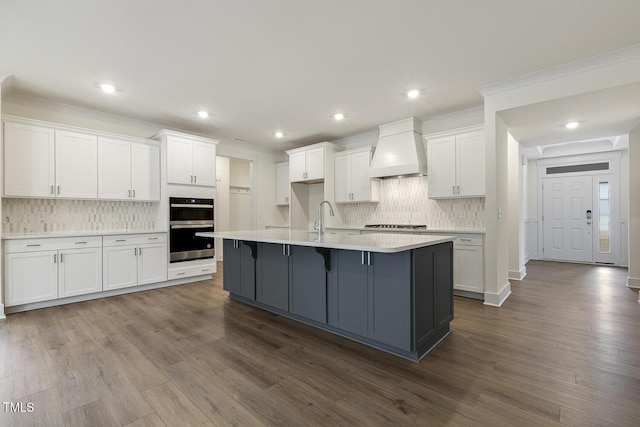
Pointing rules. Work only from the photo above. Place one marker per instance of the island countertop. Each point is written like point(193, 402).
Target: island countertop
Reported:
point(375, 242)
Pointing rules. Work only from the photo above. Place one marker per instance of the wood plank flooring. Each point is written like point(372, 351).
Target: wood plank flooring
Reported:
point(563, 350)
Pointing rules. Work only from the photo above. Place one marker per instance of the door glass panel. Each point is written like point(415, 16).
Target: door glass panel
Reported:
point(604, 225)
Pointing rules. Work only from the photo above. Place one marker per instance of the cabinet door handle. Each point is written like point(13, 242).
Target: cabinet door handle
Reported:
point(195, 178)
point(284, 250)
point(81, 243)
point(129, 193)
point(134, 193)
point(135, 251)
point(368, 258)
point(153, 238)
point(61, 258)
point(457, 189)
point(121, 240)
point(52, 189)
point(33, 246)
point(181, 274)
point(362, 258)
point(204, 270)
point(139, 251)
point(288, 250)
point(58, 189)
point(55, 258)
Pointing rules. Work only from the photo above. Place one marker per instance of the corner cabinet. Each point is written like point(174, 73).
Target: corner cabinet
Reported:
point(282, 184)
point(456, 164)
point(38, 270)
point(352, 182)
point(307, 164)
point(191, 160)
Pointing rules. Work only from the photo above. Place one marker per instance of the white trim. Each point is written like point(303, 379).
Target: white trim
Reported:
point(518, 275)
point(58, 126)
point(105, 294)
point(496, 300)
point(171, 133)
point(457, 115)
point(625, 54)
point(466, 129)
point(2, 315)
point(633, 282)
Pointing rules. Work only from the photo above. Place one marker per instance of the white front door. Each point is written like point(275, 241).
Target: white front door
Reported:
point(567, 218)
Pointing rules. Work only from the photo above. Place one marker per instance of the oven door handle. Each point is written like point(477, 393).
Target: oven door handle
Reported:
point(176, 227)
point(180, 205)
point(202, 223)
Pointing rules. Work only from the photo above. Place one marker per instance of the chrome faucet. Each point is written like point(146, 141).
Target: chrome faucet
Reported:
point(318, 226)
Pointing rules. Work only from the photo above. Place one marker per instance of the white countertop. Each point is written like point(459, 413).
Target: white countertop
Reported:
point(376, 242)
point(77, 234)
point(406, 231)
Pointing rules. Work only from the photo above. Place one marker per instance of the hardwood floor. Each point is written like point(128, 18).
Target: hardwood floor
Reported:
point(563, 350)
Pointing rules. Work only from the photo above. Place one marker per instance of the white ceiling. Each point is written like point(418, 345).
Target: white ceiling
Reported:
point(261, 66)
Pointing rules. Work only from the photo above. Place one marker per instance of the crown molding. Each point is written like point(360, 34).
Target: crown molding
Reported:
point(618, 56)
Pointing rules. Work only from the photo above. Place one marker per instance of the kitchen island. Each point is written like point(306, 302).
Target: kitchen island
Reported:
point(392, 292)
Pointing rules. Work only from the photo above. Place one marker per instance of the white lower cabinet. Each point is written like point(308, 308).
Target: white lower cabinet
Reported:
point(468, 264)
point(38, 270)
point(134, 260)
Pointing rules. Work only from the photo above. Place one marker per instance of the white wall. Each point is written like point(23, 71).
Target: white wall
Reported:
point(634, 211)
point(515, 213)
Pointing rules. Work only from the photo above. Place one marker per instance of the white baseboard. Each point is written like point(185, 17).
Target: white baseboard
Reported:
point(633, 283)
point(496, 300)
point(104, 294)
point(518, 275)
point(2, 315)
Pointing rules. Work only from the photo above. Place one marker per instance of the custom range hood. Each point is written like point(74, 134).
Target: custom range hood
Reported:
point(400, 151)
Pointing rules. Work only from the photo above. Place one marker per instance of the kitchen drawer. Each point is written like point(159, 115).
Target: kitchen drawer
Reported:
point(134, 239)
point(190, 271)
point(467, 240)
point(51, 243)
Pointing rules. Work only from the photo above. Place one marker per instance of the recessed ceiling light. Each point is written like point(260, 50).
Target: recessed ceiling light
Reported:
point(107, 88)
point(203, 114)
point(413, 93)
point(571, 125)
point(338, 116)
point(278, 134)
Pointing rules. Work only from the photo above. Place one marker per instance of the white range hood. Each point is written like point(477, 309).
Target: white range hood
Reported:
point(400, 151)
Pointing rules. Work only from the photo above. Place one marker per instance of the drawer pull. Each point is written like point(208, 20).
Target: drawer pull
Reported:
point(81, 243)
point(33, 246)
point(181, 274)
point(121, 240)
point(153, 238)
point(206, 269)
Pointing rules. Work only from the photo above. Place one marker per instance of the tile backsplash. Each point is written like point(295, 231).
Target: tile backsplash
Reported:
point(59, 215)
point(405, 201)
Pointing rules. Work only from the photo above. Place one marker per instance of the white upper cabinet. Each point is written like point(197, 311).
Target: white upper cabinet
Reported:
point(114, 168)
point(128, 170)
point(42, 162)
point(456, 165)
point(352, 182)
point(49, 160)
point(204, 164)
point(145, 171)
point(190, 160)
point(76, 165)
point(29, 160)
point(307, 164)
point(282, 184)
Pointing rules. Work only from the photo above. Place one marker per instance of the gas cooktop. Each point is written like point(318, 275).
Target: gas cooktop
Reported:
point(397, 226)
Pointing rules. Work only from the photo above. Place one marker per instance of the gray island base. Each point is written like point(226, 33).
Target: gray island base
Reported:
point(390, 292)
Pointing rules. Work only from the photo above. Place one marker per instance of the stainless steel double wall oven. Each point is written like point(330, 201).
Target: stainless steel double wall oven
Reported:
point(187, 217)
